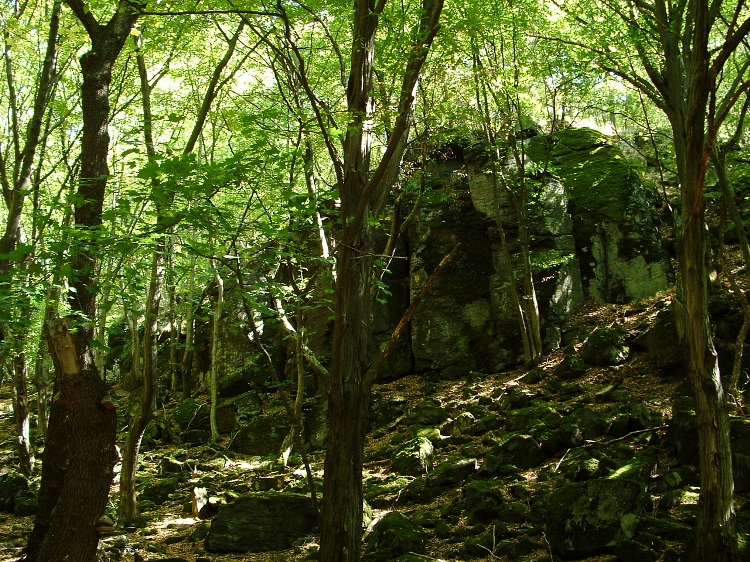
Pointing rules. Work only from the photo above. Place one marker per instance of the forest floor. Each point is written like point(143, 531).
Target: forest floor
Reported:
point(172, 532)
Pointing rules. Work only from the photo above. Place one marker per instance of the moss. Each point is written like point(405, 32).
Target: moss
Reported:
point(395, 535)
point(574, 140)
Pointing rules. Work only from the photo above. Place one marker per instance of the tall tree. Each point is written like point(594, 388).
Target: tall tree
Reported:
point(363, 196)
point(13, 334)
point(145, 409)
point(80, 455)
point(676, 54)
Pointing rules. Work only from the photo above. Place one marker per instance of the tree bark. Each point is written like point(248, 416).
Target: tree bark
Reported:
point(716, 539)
point(213, 382)
point(21, 414)
point(75, 495)
point(74, 459)
point(363, 196)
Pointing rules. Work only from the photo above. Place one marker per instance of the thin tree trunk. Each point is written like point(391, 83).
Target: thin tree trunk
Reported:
point(214, 375)
point(186, 361)
point(42, 388)
point(21, 414)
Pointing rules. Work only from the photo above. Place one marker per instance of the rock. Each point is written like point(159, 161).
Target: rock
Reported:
point(168, 465)
point(12, 484)
point(621, 254)
point(24, 506)
point(571, 367)
point(414, 457)
point(526, 419)
point(261, 522)
point(452, 472)
point(521, 451)
point(157, 490)
point(488, 500)
point(445, 475)
point(582, 425)
point(661, 342)
point(683, 432)
point(261, 435)
point(606, 346)
point(633, 550)
point(579, 465)
point(393, 536)
point(427, 413)
point(236, 383)
point(587, 518)
point(191, 413)
point(458, 426)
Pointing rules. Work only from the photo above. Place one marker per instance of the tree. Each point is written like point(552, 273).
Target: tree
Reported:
point(363, 196)
point(14, 332)
point(676, 53)
point(163, 194)
point(79, 458)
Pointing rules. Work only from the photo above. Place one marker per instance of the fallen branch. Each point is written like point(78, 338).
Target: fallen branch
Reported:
point(372, 372)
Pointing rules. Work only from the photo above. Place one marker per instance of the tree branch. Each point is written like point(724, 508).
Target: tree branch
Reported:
point(372, 372)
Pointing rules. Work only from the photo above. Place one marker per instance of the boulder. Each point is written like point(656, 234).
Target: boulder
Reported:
point(25, 506)
point(12, 485)
point(592, 517)
point(661, 341)
point(261, 522)
point(521, 451)
point(581, 425)
point(571, 367)
point(414, 457)
point(261, 435)
point(394, 536)
point(489, 500)
point(606, 346)
point(452, 472)
point(157, 490)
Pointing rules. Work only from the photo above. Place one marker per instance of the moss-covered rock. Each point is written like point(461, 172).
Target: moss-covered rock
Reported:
point(260, 522)
point(157, 490)
point(414, 457)
point(521, 451)
point(606, 346)
point(12, 485)
point(395, 535)
point(622, 257)
point(586, 518)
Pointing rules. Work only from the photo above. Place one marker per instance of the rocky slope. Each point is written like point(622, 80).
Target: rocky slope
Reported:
point(590, 456)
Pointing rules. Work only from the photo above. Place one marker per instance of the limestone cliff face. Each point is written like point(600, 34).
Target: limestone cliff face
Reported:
point(593, 231)
point(593, 234)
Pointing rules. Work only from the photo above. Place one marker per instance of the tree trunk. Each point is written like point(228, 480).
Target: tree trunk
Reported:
point(187, 353)
point(347, 409)
point(363, 196)
point(42, 388)
point(214, 375)
point(145, 410)
point(75, 495)
point(84, 450)
point(715, 530)
point(21, 415)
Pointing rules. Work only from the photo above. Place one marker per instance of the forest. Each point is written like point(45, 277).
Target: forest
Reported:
point(289, 219)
